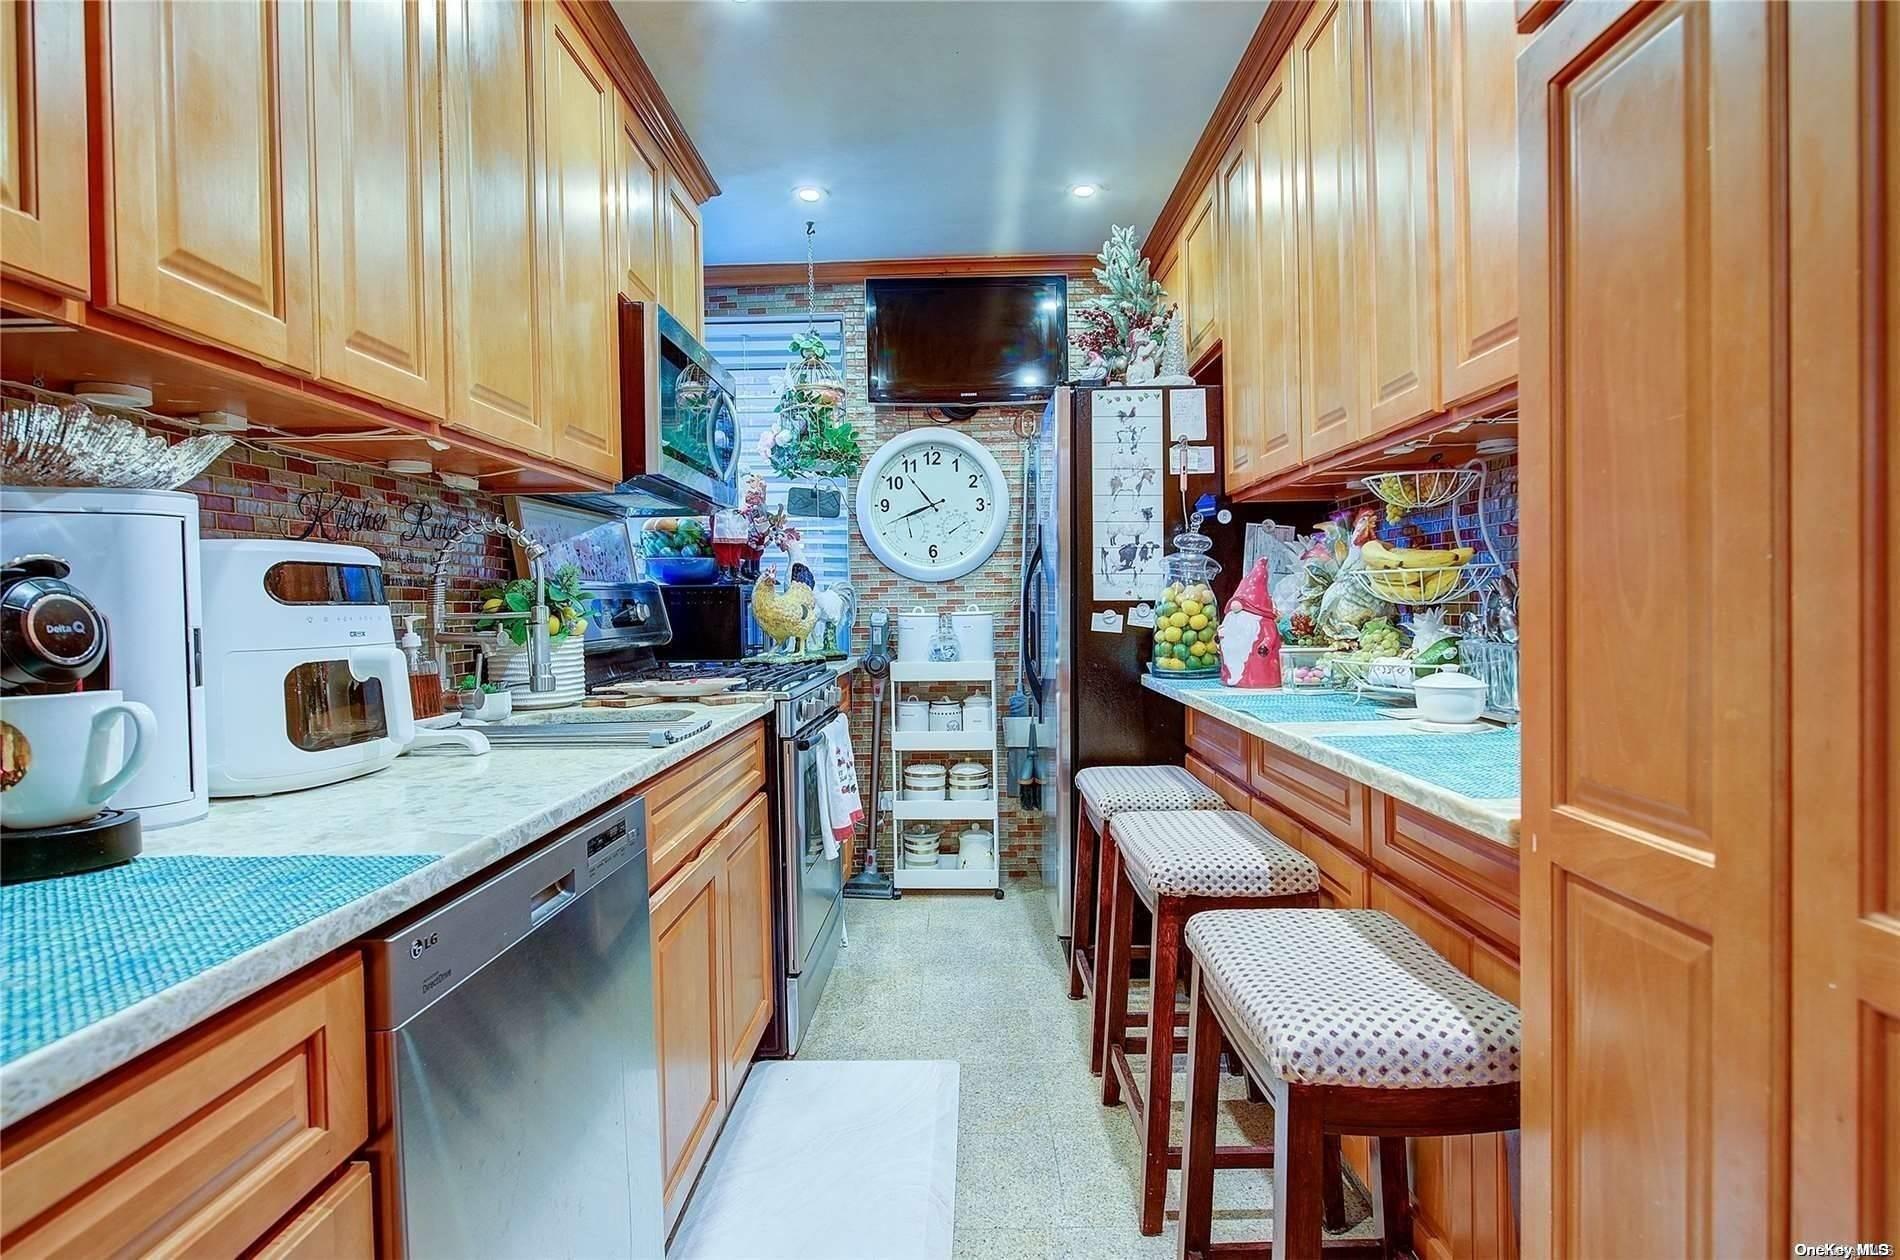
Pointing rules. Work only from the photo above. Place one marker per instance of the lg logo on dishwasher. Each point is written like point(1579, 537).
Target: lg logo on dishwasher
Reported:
point(422, 943)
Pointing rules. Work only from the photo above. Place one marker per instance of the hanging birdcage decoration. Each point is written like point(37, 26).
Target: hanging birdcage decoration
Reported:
point(814, 436)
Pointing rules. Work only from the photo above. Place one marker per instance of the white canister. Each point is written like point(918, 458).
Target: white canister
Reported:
point(976, 849)
point(976, 633)
point(915, 630)
point(913, 714)
point(946, 715)
point(924, 782)
point(976, 712)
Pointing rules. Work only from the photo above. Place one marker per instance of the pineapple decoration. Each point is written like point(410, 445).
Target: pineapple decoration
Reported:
point(813, 435)
point(1130, 318)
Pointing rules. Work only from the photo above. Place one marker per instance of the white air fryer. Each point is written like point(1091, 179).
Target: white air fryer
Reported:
point(135, 555)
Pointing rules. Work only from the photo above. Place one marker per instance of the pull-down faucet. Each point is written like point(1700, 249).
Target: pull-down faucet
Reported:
point(540, 649)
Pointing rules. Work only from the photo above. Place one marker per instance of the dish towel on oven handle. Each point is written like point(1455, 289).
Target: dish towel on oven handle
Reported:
point(843, 806)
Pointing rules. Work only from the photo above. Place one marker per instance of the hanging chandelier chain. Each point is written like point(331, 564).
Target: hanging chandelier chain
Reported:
point(811, 278)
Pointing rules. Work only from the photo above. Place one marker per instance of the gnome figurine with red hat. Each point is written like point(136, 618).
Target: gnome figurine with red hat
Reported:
point(1250, 634)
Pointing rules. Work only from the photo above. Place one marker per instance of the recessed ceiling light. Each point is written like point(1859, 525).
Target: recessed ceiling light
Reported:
point(1083, 190)
point(809, 192)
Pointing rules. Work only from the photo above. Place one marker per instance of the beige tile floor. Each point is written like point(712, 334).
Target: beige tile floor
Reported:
point(1044, 1171)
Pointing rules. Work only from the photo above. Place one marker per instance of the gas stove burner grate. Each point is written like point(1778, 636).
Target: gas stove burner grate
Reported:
point(754, 675)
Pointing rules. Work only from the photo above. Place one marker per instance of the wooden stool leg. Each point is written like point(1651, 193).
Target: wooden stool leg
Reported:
point(1298, 1165)
point(1392, 1196)
point(1333, 1184)
point(1082, 902)
point(1195, 1229)
point(1164, 958)
point(1114, 978)
point(1109, 860)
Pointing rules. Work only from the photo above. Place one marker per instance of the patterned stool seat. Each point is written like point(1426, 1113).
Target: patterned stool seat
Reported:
point(1196, 853)
point(1354, 998)
point(1111, 790)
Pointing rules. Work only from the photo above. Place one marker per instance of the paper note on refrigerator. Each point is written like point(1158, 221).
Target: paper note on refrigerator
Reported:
point(1126, 461)
point(1106, 621)
point(1200, 459)
point(1187, 415)
point(1142, 616)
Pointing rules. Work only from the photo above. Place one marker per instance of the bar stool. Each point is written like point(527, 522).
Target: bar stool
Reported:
point(1352, 1025)
point(1178, 864)
point(1107, 791)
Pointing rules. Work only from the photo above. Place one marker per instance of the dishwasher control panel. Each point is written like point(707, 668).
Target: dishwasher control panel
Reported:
point(419, 958)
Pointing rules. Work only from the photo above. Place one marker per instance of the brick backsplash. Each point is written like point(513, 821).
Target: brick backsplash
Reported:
point(993, 586)
point(253, 493)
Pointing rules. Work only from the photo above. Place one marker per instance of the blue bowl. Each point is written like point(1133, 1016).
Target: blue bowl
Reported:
point(683, 570)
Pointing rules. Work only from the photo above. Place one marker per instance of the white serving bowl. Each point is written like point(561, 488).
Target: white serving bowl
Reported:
point(1449, 696)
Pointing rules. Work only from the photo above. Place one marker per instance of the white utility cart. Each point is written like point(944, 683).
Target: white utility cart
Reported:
point(907, 743)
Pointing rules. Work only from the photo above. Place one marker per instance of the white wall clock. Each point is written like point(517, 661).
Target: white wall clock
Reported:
point(932, 504)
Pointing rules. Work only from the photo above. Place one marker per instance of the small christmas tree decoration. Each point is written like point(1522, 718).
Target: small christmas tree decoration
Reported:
point(1132, 302)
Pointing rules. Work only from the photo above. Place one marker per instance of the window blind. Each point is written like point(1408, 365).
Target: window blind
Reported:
point(756, 352)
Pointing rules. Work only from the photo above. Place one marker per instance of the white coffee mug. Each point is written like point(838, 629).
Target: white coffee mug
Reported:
point(58, 755)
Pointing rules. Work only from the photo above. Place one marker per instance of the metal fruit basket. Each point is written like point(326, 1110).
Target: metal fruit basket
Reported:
point(46, 445)
point(1426, 586)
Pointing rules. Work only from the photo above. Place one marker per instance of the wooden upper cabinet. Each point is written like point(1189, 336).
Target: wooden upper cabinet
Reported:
point(1398, 343)
point(1240, 394)
point(493, 211)
point(379, 202)
point(683, 291)
point(1199, 261)
point(43, 181)
point(642, 190)
point(1275, 375)
point(748, 989)
point(1332, 382)
point(688, 1018)
point(1654, 792)
point(209, 221)
point(1474, 52)
point(581, 122)
point(1172, 277)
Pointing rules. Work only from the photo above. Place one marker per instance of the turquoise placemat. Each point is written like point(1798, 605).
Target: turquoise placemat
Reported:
point(1476, 765)
point(75, 950)
point(1315, 706)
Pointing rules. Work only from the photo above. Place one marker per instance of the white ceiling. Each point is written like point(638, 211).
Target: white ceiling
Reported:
point(937, 126)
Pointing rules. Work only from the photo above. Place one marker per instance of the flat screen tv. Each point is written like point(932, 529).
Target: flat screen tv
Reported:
point(966, 340)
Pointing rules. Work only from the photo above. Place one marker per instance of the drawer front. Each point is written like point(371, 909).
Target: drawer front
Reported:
point(688, 803)
point(1235, 794)
point(202, 1146)
point(339, 1224)
point(1222, 746)
point(1323, 799)
point(1474, 878)
point(1343, 878)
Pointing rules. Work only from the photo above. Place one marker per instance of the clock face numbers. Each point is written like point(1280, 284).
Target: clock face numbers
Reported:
point(932, 504)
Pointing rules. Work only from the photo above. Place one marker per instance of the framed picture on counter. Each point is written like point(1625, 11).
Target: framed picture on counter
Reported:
point(599, 545)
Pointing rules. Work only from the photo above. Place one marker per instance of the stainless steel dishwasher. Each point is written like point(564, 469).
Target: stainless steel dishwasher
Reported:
point(517, 1107)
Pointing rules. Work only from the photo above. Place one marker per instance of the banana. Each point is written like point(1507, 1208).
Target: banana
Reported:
point(1379, 556)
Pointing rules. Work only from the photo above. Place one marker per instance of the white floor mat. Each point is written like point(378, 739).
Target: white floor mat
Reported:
point(848, 1160)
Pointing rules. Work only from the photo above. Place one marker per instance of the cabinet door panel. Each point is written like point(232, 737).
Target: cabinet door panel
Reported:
point(642, 189)
point(1276, 311)
point(1332, 408)
point(1240, 395)
point(1399, 346)
point(685, 294)
point(687, 962)
point(1474, 51)
point(747, 913)
point(582, 360)
point(211, 230)
point(379, 202)
point(1651, 408)
point(43, 180)
point(494, 213)
point(1199, 260)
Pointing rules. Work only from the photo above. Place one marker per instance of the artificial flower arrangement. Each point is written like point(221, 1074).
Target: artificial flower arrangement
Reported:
point(812, 437)
point(765, 528)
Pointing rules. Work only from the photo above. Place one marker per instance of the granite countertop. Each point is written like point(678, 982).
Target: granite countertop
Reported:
point(1468, 779)
point(99, 968)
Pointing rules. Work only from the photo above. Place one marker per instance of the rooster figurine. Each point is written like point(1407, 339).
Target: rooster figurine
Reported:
point(787, 616)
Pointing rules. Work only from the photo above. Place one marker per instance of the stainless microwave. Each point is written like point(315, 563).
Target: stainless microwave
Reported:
point(679, 422)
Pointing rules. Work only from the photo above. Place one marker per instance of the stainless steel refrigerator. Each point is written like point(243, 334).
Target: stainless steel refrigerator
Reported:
point(1089, 706)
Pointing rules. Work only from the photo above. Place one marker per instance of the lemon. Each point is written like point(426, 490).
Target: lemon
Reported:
point(1199, 649)
point(1179, 619)
point(1174, 634)
point(554, 624)
point(1190, 606)
point(493, 605)
point(1198, 621)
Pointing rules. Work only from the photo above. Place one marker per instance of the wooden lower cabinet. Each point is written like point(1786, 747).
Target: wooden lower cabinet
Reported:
point(339, 1224)
point(1461, 1186)
point(713, 991)
point(204, 1145)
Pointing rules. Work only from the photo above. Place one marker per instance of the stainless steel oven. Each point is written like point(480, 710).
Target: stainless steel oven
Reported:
point(811, 884)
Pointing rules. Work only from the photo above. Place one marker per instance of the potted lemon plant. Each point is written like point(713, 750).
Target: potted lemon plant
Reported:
point(568, 610)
